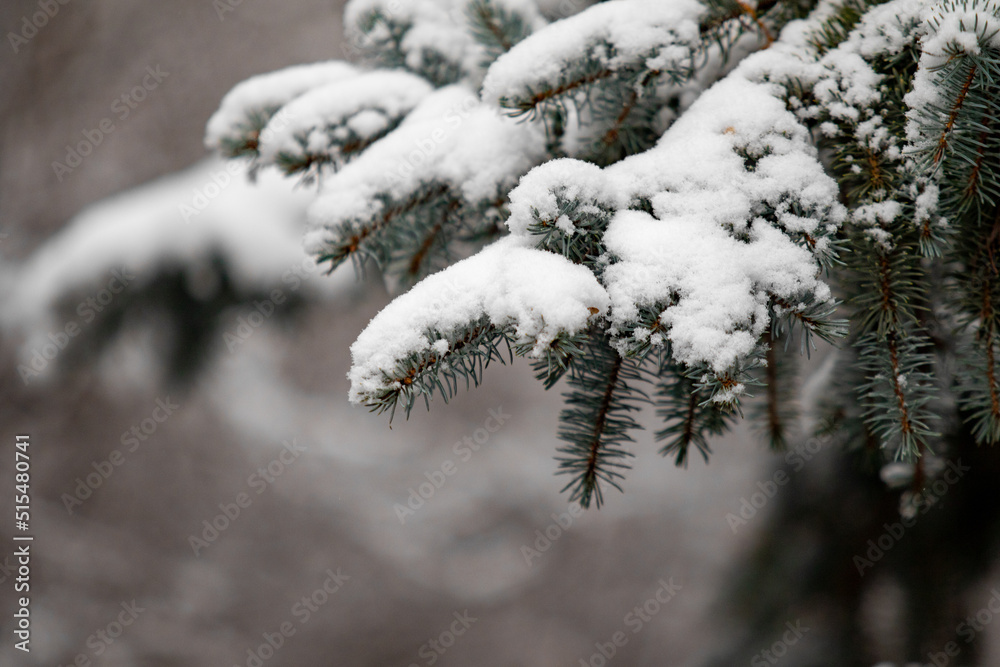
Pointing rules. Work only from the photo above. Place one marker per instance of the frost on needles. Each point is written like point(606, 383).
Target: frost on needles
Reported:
point(649, 210)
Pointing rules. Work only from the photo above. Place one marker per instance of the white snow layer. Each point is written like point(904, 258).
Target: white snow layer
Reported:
point(436, 29)
point(617, 33)
point(359, 108)
point(708, 249)
point(181, 220)
point(739, 199)
point(264, 94)
point(953, 30)
point(534, 199)
point(449, 139)
point(501, 282)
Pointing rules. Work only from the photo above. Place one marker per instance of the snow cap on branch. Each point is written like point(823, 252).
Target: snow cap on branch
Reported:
point(450, 139)
point(327, 121)
point(249, 105)
point(427, 36)
point(535, 198)
point(501, 283)
point(742, 206)
point(617, 34)
point(955, 30)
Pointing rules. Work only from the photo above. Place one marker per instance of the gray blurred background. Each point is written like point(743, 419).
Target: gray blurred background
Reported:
point(334, 506)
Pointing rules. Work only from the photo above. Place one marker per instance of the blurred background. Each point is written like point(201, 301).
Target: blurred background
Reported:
point(203, 494)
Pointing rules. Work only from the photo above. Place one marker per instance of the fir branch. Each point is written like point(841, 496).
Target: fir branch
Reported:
point(839, 24)
point(470, 350)
point(775, 424)
point(898, 387)
point(979, 392)
point(558, 358)
point(597, 420)
point(716, 26)
point(417, 261)
point(689, 416)
point(726, 388)
point(776, 412)
point(637, 338)
point(890, 286)
point(247, 139)
point(535, 102)
point(368, 239)
point(495, 28)
point(577, 230)
point(611, 136)
point(340, 151)
point(942, 143)
point(814, 318)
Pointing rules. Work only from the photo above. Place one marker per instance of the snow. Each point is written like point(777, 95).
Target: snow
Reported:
point(534, 199)
point(961, 28)
point(953, 31)
point(180, 220)
point(848, 87)
point(500, 283)
point(617, 34)
point(707, 249)
point(741, 209)
point(734, 185)
point(324, 118)
point(435, 29)
point(264, 94)
point(724, 237)
point(449, 139)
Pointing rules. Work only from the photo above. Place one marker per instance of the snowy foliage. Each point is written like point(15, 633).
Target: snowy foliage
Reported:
point(675, 207)
point(227, 241)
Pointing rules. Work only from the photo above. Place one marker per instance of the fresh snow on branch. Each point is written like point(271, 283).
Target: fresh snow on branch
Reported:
point(247, 108)
point(450, 140)
point(329, 123)
point(609, 37)
point(501, 283)
point(429, 37)
point(742, 210)
point(180, 220)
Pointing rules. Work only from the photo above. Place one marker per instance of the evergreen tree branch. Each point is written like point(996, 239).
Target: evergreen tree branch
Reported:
point(689, 415)
point(370, 239)
point(597, 421)
point(897, 391)
point(956, 107)
point(496, 28)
